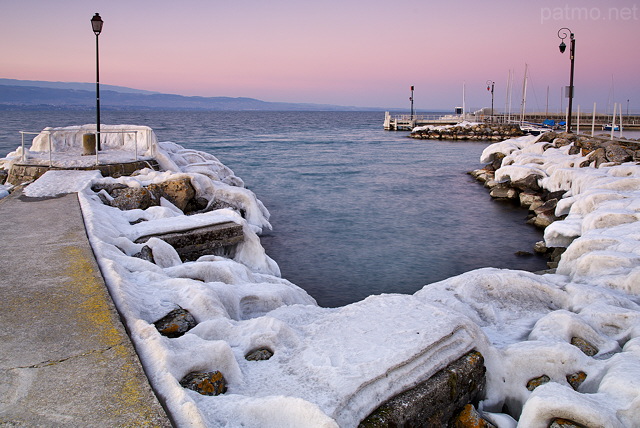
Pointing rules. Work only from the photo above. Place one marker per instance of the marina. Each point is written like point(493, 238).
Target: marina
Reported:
point(582, 121)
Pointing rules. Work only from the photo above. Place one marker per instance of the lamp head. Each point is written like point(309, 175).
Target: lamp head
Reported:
point(562, 47)
point(96, 24)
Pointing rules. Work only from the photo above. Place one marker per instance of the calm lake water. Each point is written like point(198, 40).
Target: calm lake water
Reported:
point(356, 210)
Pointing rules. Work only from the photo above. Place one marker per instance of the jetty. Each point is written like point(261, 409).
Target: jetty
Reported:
point(406, 122)
point(66, 358)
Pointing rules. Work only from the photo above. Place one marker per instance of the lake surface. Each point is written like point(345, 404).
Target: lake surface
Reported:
point(355, 210)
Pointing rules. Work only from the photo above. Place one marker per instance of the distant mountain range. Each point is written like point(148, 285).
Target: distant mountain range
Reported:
point(74, 95)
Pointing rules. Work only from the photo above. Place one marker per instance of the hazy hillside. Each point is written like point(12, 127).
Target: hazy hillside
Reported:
point(67, 95)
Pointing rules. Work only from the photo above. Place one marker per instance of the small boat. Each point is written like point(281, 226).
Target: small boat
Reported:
point(610, 127)
point(533, 129)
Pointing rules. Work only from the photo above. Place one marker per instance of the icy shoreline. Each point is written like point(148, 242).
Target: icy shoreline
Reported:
point(332, 367)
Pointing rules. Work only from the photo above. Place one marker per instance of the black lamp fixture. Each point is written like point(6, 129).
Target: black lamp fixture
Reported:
point(563, 33)
point(96, 25)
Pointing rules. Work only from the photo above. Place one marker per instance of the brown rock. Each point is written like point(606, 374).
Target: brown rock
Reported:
point(576, 379)
point(502, 191)
point(598, 156)
point(436, 401)
point(616, 153)
point(3, 175)
point(548, 208)
point(179, 191)
point(191, 244)
point(560, 142)
point(205, 383)
point(536, 382)
point(564, 423)
point(470, 418)
point(175, 323)
point(529, 183)
point(131, 198)
point(540, 247)
point(584, 346)
point(542, 220)
point(548, 137)
point(574, 150)
point(145, 254)
point(259, 355)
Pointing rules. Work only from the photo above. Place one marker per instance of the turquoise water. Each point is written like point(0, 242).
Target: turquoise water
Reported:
point(356, 210)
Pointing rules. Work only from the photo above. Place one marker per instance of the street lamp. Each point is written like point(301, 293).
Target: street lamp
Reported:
point(411, 99)
point(563, 33)
point(490, 85)
point(96, 25)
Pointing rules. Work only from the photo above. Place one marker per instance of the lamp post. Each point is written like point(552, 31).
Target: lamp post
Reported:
point(563, 33)
point(411, 99)
point(96, 25)
point(490, 85)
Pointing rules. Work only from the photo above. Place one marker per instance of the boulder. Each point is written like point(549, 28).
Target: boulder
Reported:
point(502, 191)
point(196, 205)
point(576, 379)
point(536, 382)
point(175, 323)
point(598, 156)
point(540, 247)
point(561, 142)
point(616, 153)
point(586, 347)
point(3, 176)
point(529, 183)
point(191, 244)
point(108, 187)
point(260, 354)
point(548, 208)
point(179, 191)
point(497, 160)
point(145, 254)
point(564, 423)
point(527, 199)
point(470, 418)
point(574, 150)
point(542, 220)
point(436, 401)
point(205, 383)
point(558, 194)
point(131, 198)
point(548, 137)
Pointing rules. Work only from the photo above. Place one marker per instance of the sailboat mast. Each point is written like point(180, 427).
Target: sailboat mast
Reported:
point(511, 77)
point(507, 110)
point(546, 111)
point(464, 108)
point(524, 95)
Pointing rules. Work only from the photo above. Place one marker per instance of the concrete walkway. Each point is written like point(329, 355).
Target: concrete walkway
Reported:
point(65, 357)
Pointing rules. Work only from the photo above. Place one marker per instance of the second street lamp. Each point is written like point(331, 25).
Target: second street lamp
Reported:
point(563, 33)
point(490, 85)
point(411, 99)
point(96, 25)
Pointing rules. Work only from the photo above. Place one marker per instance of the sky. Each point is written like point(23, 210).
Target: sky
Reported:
point(364, 53)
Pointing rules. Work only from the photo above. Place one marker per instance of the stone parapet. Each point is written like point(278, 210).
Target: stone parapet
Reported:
point(23, 173)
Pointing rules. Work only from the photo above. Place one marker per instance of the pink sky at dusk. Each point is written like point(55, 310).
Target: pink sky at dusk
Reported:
point(347, 52)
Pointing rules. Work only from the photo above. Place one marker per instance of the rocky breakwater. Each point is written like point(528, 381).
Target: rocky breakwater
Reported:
point(225, 341)
point(520, 173)
point(468, 131)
